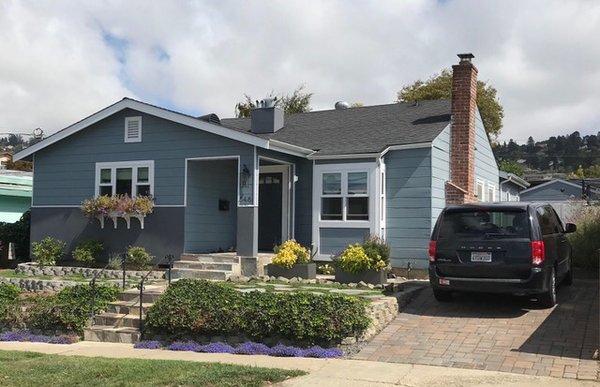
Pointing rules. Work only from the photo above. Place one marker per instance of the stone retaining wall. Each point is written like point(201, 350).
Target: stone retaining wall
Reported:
point(35, 285)
point(32, 269)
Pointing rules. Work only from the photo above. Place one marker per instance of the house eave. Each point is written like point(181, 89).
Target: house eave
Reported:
point(288, 148)
point(148, 109)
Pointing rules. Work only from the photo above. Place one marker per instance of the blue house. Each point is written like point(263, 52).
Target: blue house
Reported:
point(326, 178)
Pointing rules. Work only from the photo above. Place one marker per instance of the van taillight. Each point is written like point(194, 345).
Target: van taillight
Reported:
point(432, 250)
point(538, 252)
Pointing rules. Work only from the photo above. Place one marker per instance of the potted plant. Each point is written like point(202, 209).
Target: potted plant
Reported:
point(292, 260)
point(367, 262)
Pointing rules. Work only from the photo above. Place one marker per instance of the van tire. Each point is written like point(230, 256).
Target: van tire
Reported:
point(548, 299)
point(442, 295)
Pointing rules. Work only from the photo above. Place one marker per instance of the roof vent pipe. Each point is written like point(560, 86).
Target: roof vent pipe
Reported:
point(341, 105)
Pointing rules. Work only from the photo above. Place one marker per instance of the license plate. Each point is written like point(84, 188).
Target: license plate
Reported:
point(481, 256)
point(444, 281)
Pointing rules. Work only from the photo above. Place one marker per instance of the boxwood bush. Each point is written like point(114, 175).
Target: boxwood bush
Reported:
point(68, 311)
point(191, 308)
point(9, 304)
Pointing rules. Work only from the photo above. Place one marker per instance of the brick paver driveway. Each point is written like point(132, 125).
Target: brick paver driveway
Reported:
point(496, 333)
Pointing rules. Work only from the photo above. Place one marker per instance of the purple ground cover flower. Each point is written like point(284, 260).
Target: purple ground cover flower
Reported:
point(250, 348)
point(147, 344)
point(285, 351)
point(28, 336)
point(216, 348)
point(184, 346)
point(323, 353)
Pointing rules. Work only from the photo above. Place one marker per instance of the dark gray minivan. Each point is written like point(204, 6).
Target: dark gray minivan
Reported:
point(514, 247)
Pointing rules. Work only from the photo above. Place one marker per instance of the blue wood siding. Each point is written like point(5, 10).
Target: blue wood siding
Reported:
point(65, 171)
point(486, 168)
point(303, 194)
point(409, 205)
point(440, 173)
point(335, 240)
point(206, 228)
point(555, 191)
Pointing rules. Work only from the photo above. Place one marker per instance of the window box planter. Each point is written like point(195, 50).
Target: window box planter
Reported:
point(375, 277)
point(127, 217)
point(302, 270)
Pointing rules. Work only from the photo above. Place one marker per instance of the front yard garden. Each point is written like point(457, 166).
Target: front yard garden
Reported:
point(31, 369)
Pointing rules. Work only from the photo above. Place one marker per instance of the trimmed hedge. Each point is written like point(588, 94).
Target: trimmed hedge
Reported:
point(191, 308)
point(69, 309)
point(9, 304)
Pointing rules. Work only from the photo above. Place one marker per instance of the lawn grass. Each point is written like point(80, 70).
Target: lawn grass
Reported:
point(34, 369)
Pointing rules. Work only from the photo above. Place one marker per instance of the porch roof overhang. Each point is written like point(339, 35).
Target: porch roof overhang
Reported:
point(167, 114)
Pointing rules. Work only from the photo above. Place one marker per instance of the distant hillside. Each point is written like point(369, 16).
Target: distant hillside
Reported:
point(570, 154)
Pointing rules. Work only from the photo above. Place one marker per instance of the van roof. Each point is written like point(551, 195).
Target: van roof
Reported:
point(496, 205)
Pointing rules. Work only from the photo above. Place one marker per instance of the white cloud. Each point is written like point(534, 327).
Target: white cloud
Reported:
point(56, 68)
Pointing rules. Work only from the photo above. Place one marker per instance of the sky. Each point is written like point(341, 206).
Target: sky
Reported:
point(63, 60)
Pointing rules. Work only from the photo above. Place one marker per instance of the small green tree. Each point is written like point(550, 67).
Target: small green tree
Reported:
point(440, 87)
point(297, 102)
point(47, 251)
point(511, 166)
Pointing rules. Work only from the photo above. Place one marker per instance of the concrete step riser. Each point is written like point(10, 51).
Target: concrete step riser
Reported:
point(148, 297)
point(209, 259)
point(117, 322)
point(203, 266)
point(130, 310)
point(111, 337)
point(198, 274)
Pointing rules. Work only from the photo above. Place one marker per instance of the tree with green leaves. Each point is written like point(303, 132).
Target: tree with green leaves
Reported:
point(511, 166)
point(440, 87)
point(297, 102)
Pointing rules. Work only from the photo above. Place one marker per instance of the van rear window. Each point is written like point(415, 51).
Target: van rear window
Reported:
point(484, 224)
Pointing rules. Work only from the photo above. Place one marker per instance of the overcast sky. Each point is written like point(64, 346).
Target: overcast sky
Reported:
point(63, 60)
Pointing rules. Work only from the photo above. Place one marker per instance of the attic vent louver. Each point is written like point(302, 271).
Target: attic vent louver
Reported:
point(211, 118)
point(133, 129)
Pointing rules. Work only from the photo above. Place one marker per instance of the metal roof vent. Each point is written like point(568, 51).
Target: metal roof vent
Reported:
point(268, 102)
point(211, 118)
point(342, 105)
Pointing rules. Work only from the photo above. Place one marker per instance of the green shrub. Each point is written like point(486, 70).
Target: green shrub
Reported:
point(376, 249)
point(88, 251)
point(114, 261)
point(138, 257)
point(373, 254)
point(586, 240)
point(17, 233)
point(195, 307)
point(290, 253)
point(69, 309)
point(48, 251)
point(9, 304)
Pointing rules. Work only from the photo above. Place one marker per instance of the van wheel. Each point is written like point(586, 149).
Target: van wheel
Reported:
point(569, 276)
point(548, 299)
point(442, 295)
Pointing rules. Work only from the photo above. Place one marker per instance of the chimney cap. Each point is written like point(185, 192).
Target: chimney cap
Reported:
point(466, 57)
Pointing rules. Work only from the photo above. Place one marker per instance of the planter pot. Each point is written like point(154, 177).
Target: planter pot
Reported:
point(369, 277)
point(302, 270)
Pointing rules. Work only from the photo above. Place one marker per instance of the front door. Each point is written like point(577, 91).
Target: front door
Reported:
point(270, 190)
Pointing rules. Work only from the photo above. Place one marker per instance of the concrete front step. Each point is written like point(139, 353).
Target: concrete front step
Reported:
point(204, 265)
point(219, 275)
point(118, 320)
point(110, 334)
point(210, 258)
point(128, 307)
point(134, 295)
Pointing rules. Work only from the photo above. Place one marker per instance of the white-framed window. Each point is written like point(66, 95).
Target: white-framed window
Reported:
point(491, 192)
point(480, 191)
point(131, 178)
point(133, 129)
point(345, 196)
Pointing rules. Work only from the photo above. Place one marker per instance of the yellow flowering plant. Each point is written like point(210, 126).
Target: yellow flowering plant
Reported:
point(290, 253)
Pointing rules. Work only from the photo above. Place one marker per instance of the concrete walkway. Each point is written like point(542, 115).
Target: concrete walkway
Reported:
point(330, 372)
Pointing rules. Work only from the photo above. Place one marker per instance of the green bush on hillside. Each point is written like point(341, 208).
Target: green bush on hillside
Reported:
point(9, 304)
point(586, 240)
point(191, 308)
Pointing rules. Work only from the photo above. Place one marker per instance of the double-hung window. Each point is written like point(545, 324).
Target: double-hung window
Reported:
point(131, 178)
point(345, 196)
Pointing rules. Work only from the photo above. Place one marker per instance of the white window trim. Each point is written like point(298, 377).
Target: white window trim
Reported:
point(489, 186)
point(134, 165)
point(482, 184)
point(139, 137)
point(374, 193)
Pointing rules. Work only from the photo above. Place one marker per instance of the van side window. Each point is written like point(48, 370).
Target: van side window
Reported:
point(546, 220)
point(557, 222)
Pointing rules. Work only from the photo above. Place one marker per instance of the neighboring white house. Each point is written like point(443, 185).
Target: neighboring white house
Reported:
point(511, 186)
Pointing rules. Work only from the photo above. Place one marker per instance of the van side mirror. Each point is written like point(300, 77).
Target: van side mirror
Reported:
point(570, 227)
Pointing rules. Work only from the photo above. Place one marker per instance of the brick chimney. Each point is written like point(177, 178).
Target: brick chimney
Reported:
point(461, 187)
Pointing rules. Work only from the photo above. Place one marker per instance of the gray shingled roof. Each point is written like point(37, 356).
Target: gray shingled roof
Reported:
point(368, 129)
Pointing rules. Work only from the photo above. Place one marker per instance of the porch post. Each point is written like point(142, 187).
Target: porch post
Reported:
point(247, 214)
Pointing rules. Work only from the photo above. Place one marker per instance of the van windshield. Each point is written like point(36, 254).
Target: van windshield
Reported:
point(484, 223)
